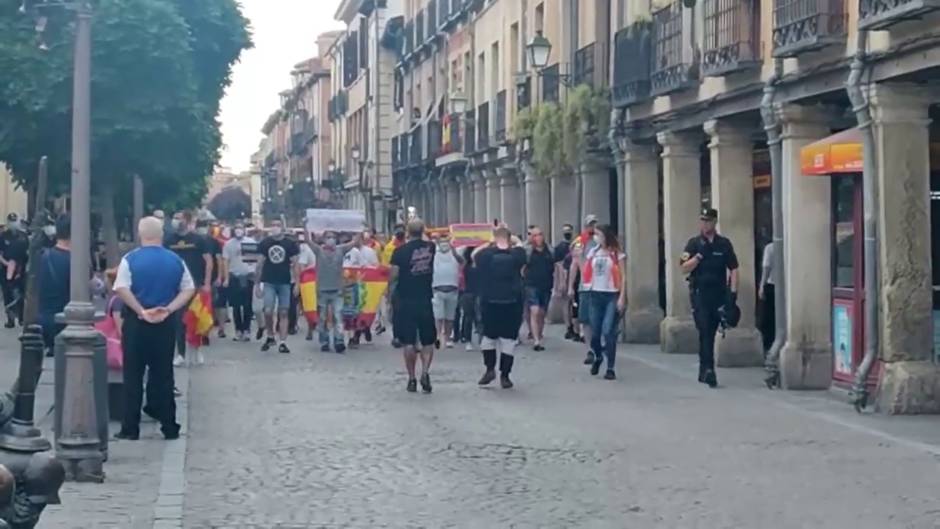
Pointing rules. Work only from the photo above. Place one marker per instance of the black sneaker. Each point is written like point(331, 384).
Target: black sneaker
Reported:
point(412, 386)
point(487, 378)
point(596, 366)
point(589, 359)
point(379, 330)
point(538, 347)
point(283, 349)
point(340, 348)
point(610, 375)
point(569, 334)
point(395, 343)
point(309, 337)
point(260, 334)
point(426, 383)
point(711, 379)
point(325, 348)
point(221, 333)
point(171, 433)
point(127, 436)
point(268, 344)
point(367, 333)
point(10, 324)
point(505, 382)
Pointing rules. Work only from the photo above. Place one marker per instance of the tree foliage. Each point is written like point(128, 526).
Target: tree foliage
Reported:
point(562, 135)
point(159, 71)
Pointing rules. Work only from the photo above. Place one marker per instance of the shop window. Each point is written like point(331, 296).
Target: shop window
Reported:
point(844, 223)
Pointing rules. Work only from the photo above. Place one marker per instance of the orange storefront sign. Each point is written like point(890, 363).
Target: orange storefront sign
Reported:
point(839, 153)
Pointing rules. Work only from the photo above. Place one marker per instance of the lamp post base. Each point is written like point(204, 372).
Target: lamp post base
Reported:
point(78, 445)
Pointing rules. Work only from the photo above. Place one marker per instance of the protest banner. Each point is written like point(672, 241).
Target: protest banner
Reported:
point(470, 234)
point(336, 220)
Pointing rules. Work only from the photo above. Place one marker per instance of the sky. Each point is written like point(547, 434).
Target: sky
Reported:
point(284, 33)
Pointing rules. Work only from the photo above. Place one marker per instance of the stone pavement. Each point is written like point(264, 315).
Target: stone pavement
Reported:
point(313, 440)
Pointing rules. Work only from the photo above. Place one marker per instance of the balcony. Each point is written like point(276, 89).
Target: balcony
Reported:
point(674, 66)
point(732, 36)
point(632, 48)
point(584, 66)
point(500, 126)
point(881, 14)
point(470, 132)
point(483, 127)
point(801, 26)
point(551, 79)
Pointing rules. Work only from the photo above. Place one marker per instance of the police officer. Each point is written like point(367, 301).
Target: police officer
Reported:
point(712, 266)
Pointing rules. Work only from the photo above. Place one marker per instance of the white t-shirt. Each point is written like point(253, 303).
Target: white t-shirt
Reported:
point(232, 253)
point(446, 270)
point(368, 257)
point(306, 258)
point(602, 266)
point(768, 262)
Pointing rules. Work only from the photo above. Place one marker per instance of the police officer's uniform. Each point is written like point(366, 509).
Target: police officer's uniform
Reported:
point(708, 290)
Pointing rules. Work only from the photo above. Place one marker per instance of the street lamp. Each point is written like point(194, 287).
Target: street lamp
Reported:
point(458, 103)
point(539, 50)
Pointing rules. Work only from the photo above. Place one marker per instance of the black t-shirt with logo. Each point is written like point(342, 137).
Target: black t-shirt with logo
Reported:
point(502, 270)
point(415, 262)
point(277, 254)
point(192, 249)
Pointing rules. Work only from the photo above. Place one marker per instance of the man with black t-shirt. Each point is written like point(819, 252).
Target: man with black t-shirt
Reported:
point(562, 266)
point(499, 266)
point(197, 256)
point(539, 280)
point(412, 270)
point(277, 268)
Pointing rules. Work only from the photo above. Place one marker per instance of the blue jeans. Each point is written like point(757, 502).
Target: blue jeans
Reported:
point(604, 324)
point(326, 300)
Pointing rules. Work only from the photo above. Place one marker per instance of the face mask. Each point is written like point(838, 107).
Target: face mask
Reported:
point(399, 235)
point(277, 231)
point(367, 236)
point(239, 233)
point(202, 231)
point(599, 239)
point(330, 242)
point(445, 247)
point(49, 231)
point(15, 225)
point(177, 224)
point(567, 236)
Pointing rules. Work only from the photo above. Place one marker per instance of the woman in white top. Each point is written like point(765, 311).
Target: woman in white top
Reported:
point(604, 269)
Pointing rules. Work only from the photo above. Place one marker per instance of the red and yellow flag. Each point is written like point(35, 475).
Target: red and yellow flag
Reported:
point(308, 294)
point(363, 293)
point(198, 319)
point(470, 234)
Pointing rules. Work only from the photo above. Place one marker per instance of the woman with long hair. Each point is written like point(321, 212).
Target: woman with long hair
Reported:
point(604, 270)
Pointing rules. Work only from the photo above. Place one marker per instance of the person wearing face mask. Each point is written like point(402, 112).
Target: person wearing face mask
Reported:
point(278, 271)
point(54, 280)
point(196, 254)
point(579, 289)
point(14, 248)
point(539, 280)
point(239, 279)
point(604, 271)
point(306, 260)
point(445, 283)
point(219, 301)
point(562, 267)
point(330, 259)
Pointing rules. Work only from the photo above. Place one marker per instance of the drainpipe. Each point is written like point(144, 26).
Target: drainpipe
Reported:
point(862, 109)
point(377, 102)
point(772, 128)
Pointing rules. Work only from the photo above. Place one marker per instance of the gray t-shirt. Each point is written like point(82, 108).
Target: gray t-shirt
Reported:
point(330, 268)
point(233, 251)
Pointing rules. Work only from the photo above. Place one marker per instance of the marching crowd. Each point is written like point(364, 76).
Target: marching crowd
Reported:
point(188, 279)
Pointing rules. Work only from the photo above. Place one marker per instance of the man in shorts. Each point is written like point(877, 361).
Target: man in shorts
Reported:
point(411, 274)
point(539, 280)
point(277, 268)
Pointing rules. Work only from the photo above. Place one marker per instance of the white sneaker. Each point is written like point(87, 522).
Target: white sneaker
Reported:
point(200, 358)
point(450, 344)
point(178, 361)
point(469, 347)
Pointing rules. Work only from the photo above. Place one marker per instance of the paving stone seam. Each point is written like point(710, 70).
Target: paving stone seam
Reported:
point(168, 509)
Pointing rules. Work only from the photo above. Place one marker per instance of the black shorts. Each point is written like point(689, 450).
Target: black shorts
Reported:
point(413, 323)
point(502, 320)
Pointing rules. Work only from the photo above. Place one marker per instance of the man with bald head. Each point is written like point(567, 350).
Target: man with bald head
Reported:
point(154, 283)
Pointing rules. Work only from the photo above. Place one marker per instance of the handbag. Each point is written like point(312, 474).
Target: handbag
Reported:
point(108, 327)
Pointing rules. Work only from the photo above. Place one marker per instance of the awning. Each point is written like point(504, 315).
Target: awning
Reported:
point(839, 153)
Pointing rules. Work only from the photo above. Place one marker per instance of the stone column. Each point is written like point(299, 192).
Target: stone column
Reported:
point(538, 199)
point(479, 196)
point(453, 200)
point(682, 202)
point(806, 357)
point(595, 186)
point(732, 170)
point(493, 195)
point(511, 199)
point(910, 381)
point(564, 205)
point(640, 177)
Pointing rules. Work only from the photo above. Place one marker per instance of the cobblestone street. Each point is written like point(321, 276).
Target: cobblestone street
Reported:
point(313, 440)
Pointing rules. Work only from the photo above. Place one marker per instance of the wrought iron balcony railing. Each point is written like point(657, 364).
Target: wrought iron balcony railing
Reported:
point(396, 156)
point(483, 126)
point(551, 80)
point(807, 25)
point(499, 128)
point(732, 36)
point(632, 51)
point(470, 132)
point(584, 66)
point(674, 63)
point(881, 14)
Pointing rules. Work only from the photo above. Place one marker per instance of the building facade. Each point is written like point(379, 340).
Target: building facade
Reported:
point(361, 111)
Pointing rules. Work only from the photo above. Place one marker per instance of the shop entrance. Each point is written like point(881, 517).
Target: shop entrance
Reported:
point(848, 275)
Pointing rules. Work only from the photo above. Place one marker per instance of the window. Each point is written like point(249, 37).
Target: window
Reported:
point(550, 78)
point(363, 42)
point(494, 76)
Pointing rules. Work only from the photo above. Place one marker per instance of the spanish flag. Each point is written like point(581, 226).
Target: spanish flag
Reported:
point(308, 294)
point(198, 318)
point(362, 295)
point(463, 235)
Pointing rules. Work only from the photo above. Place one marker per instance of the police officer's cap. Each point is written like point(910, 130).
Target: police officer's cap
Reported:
point(709, 214)
point(12, 217)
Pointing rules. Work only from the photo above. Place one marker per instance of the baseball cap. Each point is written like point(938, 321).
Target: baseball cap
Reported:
point(13, 217)
point(590, 219)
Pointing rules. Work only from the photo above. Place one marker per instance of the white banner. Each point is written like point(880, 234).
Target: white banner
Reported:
point(338, 220)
